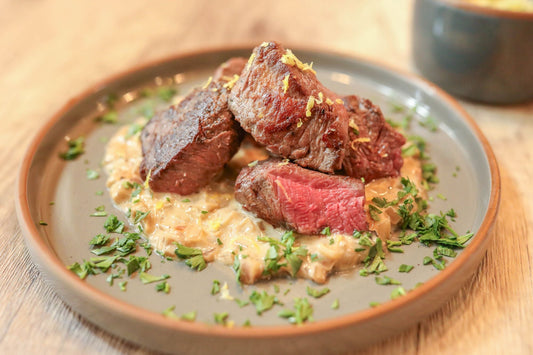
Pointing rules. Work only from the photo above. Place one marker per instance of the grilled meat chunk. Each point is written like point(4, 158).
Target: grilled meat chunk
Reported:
point(306, 201)
point(374, 149)
point(229, 68)
point(281, 103)
point(187, 145)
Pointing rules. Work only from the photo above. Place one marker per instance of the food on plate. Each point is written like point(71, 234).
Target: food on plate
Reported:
point(185, 146)
point(305, 201)
point(316, 187)
point(230, 68)
point(375, 149)
point(280, 102)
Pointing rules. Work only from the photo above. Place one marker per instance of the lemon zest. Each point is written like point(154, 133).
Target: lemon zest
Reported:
point(229, 84)
point(209, 80)
point(286, 83)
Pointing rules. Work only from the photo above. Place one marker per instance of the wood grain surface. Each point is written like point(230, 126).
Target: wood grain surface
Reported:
point(53, 49)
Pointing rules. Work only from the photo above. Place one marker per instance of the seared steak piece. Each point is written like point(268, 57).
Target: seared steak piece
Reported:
point(279, 100)
point(186, 146)
point(229, 68)
point(306, 201)
point(374, 148)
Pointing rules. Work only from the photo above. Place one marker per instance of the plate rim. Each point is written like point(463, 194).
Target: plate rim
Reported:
point(44, 257)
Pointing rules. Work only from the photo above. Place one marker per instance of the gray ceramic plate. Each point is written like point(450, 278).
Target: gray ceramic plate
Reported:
point(469, 181)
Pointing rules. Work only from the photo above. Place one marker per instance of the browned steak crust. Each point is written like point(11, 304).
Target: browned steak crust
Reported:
point(374, 149)
point(281, 103)
point(186, 146)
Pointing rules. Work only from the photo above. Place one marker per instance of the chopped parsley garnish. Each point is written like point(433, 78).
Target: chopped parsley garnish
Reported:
point(365, 241)
point(147, 248)
point(407, 239)
point(185, 200)
point(397, 292)
point(216, 287)
point(409, 151)
point(112, 277)
point(241, 303)
point(374, 260)
point(82, 270)
point(166, 93)
point(108, 117)
point(163, 287)
point(193, 257)
point(335, 304)
point(43, 223)
point(76, 147)
point(444, 251)
point(263, 301)
point(374, 212)
point(99, 239)
point(237, 268)
point(103, 262)
point(189, 316)
point(385, 280)
point(326, 231)
point(317, 293)
point(146, 92)
point(147, 278)
point(397, 107)
point(104, 250)
point(139, 216)
point(221, 318)
point(110, 100)
point(405, 268)
point(301, 312)
point(135, 263)
point(113, 224)
point(126, 245)
point(429, 123)
point(133, 130)
point(283, 253)
point(438, 265)
point(122, 285)
point(429, 171)
point(92, 174)
point(169, 313)
point(393, 245)
point(147, 110)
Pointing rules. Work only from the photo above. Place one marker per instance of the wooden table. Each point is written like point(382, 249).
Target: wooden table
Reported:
point(52, 49)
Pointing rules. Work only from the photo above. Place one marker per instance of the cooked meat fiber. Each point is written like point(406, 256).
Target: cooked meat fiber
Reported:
point(186, 146)
point(279, 100)
point(306, 201)
point(229, 68)
point(374, 149)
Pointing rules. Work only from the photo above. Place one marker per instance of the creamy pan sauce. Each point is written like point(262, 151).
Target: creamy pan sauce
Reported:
point(211, 220)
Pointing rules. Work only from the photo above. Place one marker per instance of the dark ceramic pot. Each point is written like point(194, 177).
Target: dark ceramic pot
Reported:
point(473, 52)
